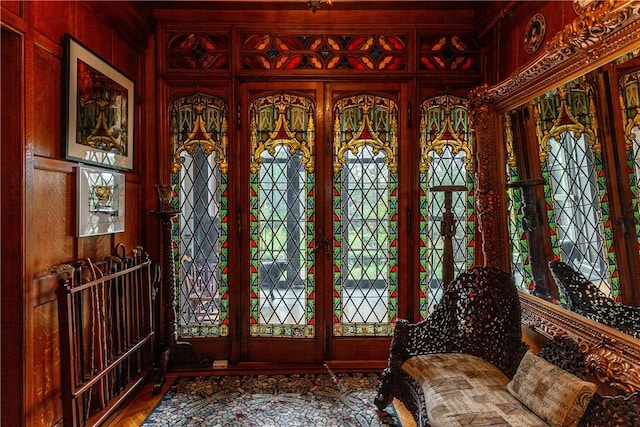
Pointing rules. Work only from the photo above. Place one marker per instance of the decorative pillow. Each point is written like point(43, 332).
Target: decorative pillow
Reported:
point(555, 395)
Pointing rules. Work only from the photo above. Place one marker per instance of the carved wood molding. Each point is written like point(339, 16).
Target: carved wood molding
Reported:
point(483, 121)
point(604, 31)
point(612, 356)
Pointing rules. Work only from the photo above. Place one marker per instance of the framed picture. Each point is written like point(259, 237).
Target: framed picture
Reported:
point(99, 114)
point(100, 198)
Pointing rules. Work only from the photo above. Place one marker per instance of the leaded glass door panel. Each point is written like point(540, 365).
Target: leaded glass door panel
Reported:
point(575, 183)
point(629, 87)
point(365, 200)
point(366, 258)
point(280, 290)
point(322, 184)
point(199, 135)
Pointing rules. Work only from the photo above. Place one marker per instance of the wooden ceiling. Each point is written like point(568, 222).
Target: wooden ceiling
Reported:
point(337, 4)
point(139, 17)
point(485, 13)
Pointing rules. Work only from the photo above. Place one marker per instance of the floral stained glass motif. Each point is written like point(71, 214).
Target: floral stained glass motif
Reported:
point(198, 131)
point(365, 52)
point(197, 51)
point(365, 192)
point(448, 52)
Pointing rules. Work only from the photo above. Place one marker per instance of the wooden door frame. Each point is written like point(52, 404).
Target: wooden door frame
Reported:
point(341, 350)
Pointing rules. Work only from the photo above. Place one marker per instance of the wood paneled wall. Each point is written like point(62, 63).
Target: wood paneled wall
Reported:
point(39, 207)
point(502, 33)
point(11, 238)
point(44, 183)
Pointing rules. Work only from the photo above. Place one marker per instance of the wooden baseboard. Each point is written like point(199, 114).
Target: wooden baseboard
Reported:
point(245, 368)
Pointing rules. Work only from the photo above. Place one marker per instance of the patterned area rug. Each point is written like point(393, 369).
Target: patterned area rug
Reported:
point(273, 400)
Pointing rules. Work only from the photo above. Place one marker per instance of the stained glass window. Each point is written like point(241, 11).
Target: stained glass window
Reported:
point(364, 205)
point(282, 210)
point(520, 261)
point(198, 130)
point(575, 189)
point(630, 95)
point(445, 165)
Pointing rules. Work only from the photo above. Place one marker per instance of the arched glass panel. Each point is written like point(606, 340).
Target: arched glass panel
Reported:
point(282, 210)
point(630, 96)
point(575, 186)
point(198, 129)
point(446, 170)
point(364, 205)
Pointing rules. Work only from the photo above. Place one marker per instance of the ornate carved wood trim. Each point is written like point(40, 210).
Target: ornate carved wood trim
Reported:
point(602, 32)
point(490, 205)
point(612, 356)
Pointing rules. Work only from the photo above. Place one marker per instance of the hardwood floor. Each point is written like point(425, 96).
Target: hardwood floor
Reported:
point(136, 410)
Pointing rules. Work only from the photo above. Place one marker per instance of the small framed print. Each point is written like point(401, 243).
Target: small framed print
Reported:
point(534, 35)
point(100, 199)
point(100, 110)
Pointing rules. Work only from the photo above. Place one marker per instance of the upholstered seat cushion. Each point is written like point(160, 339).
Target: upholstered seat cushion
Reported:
point(463, 390)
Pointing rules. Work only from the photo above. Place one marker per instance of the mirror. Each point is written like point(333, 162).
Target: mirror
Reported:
point(569, 124)
point(570, 203)
point(565, 181)
point(583, 296)
point(572, 140)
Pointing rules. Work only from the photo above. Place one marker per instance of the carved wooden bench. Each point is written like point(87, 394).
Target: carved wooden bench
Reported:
point(469, 350)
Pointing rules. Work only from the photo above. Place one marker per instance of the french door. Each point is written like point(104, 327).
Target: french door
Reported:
point(318, 204)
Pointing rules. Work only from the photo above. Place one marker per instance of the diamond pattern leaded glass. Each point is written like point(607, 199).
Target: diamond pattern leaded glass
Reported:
point(446, 149)
point(365, 203)
point(198, 134)
point(575, 189)
point(282, 203)
point(522, 275)
point(575, 195)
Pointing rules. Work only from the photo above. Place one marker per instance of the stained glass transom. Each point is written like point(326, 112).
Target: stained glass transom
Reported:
point(365, 211)
point(363, 52)
point(197, 51)
point(446, 160)
point(198, 130)
point(282, 210)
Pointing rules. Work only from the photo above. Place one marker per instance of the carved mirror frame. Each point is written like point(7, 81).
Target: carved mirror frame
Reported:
point(603, 31)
